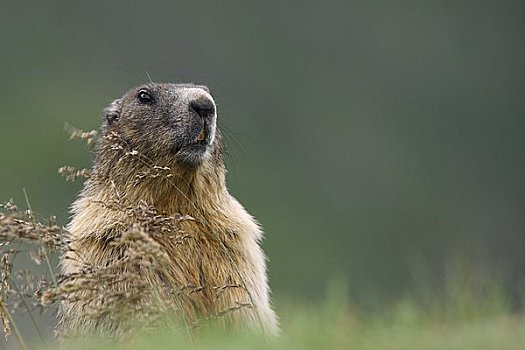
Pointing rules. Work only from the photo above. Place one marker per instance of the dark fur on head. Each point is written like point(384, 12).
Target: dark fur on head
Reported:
point(168, 124)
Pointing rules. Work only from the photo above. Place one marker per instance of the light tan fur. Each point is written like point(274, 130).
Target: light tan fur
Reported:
point(218, 257)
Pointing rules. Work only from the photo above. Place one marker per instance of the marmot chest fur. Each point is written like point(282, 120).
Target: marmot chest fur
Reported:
point(158, 183)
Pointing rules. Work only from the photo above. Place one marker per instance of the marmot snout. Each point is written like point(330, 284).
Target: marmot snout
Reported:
point(172, 127)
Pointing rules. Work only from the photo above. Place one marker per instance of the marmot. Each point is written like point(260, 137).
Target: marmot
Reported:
point(171, 128)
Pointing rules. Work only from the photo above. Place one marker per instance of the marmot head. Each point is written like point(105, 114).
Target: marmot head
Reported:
point(174, 122)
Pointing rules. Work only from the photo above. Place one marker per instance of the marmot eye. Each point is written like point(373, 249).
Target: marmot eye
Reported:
point(144, 97)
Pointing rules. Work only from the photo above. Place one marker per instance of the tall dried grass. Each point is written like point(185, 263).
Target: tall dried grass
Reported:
point(126, 298)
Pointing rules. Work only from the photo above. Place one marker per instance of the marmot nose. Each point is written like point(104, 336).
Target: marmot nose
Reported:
point(203, 106)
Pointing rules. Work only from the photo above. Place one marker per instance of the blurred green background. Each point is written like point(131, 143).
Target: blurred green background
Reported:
point(372, 139)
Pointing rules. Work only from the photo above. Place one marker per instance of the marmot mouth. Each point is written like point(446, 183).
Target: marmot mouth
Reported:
point(195, 146)
point(202, 138)
point(198, 145)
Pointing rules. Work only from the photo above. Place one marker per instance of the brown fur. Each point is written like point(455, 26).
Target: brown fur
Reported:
point(218, 258)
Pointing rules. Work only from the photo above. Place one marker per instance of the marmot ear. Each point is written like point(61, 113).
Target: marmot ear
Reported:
point(112, 113)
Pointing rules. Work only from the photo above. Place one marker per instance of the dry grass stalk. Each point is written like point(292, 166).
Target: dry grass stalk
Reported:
point(88, 136)
point(127, 298)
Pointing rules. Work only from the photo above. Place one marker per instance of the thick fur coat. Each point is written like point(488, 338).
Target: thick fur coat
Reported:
point(160, 148)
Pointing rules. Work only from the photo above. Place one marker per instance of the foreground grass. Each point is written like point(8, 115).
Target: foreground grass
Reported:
point(337, 327)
